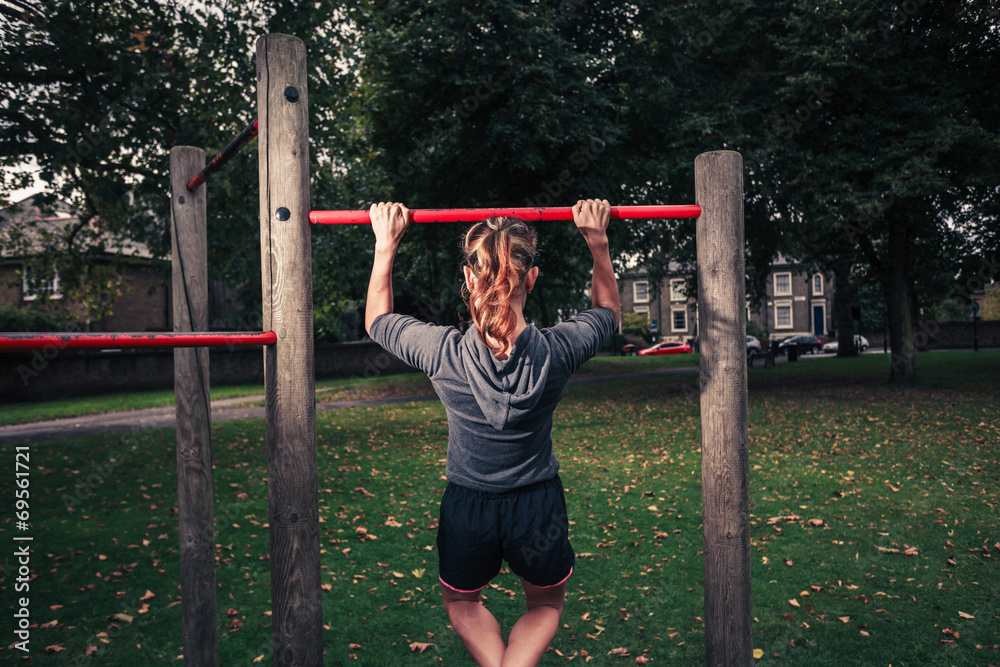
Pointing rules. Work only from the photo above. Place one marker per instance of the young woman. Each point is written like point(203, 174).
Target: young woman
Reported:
point(500, 383)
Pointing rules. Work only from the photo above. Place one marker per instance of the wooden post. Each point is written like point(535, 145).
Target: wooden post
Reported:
point(189, 256)
point(718, 178)
point(289, 374)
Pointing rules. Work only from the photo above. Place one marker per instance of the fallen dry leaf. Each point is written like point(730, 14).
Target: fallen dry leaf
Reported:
point(964, 615)
point(420, 647)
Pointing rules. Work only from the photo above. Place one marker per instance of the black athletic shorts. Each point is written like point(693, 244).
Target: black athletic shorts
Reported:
point(528, 527)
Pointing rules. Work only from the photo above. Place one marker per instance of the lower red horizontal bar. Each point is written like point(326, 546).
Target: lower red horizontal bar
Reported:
point(15, 342)
point(532, 214)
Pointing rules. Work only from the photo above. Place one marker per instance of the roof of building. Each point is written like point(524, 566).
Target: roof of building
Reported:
point(57, 219)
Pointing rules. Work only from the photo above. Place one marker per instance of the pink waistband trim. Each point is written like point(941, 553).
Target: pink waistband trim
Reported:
point(459, 590)
point(476, 590)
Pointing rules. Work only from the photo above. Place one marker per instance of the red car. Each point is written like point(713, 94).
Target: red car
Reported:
point(667, 347)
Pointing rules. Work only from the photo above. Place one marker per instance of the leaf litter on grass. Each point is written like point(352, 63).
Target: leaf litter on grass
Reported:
point(881, 469)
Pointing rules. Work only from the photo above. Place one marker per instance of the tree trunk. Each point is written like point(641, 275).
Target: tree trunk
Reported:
point(904, 354)
point(843, 295)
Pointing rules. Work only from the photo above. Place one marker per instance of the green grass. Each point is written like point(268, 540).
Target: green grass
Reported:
point(22, 413)
point(884, 468)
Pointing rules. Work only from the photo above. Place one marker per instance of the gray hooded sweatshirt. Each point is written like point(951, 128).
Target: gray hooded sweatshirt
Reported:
point(499, 411)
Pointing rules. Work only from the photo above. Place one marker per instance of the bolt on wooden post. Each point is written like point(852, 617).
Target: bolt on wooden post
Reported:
point(718, 178)
point(189, 257)
point(289, 374)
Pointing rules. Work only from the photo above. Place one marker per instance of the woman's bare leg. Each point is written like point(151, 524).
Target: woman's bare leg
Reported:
point(475, 626)
point(531, 635)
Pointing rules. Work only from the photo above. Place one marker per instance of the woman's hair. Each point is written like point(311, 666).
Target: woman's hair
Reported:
point(500, 251)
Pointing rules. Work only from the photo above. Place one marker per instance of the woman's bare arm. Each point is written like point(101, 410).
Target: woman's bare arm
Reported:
point(592, 217)
point(389, 221)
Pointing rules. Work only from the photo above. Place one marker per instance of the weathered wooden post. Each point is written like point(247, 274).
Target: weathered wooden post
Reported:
point(189, 256)
point(718, 178)
point(289, 374)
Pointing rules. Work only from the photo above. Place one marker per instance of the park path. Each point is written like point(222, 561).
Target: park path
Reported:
point(230, 409)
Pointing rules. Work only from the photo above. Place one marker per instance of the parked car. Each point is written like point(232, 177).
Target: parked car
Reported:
point(860, 342)
point(630, 350)
point(667, 347)
point(753, 345)
point(805, 344)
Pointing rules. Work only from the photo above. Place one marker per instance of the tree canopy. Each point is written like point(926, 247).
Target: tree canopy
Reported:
point(869, 141)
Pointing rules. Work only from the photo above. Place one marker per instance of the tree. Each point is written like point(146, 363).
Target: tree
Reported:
point(490, 104)
point(991, 305)
point(865, 133)
point(95, 95)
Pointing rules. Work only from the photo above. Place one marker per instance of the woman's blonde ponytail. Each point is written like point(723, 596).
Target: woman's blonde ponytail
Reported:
point(500, 251)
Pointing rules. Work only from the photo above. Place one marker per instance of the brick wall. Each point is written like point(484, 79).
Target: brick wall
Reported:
point(947, 336)
point(144, 307)
point(53, 373)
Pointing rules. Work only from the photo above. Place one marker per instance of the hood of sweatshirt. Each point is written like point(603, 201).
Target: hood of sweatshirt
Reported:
point(507, 389)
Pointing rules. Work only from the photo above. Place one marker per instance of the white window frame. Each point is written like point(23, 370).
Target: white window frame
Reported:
point(674, 293)
point(635, 292)
point(817, 292)
point(673, 311)
point(29, 294)
point(641, 310)
point(775, 277)
point(791, 315)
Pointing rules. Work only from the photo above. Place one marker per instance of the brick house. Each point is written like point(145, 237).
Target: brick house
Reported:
point(145, 304)
point(672, 313)
point(798, 302)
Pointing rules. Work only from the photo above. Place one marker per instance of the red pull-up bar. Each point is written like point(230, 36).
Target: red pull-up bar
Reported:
point(234, 147)
point(531, 214)
point(15, 342)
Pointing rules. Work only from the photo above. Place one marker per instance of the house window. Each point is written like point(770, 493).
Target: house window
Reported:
point(782, 284)
point(783, 315)
point(678, 319)
point(818, 284)
point(677, 289)
point(49, 286)
point(640, 292)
